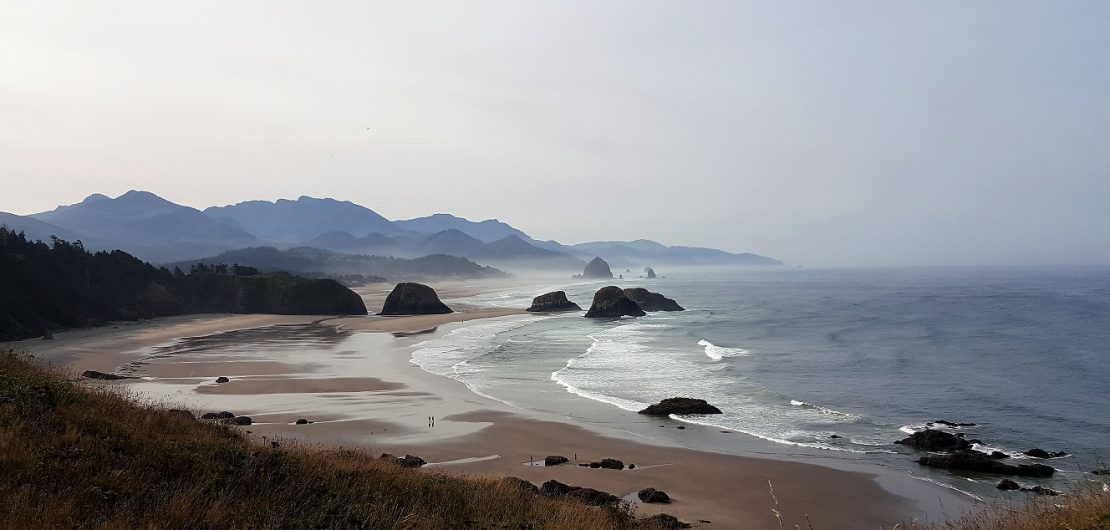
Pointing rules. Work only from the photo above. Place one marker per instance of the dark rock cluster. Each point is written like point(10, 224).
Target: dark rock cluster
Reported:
point(680, 405)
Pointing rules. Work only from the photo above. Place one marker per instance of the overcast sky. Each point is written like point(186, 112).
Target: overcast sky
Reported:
point(820, 133)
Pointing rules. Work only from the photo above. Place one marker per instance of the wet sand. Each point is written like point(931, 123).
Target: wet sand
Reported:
point(356, 385)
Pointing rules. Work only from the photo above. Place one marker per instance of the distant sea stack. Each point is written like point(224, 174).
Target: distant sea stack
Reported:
point(413, 299)
point(597, 269)
point(650, 272)
point(649, 301)
point(610, 302)
point(552, 302)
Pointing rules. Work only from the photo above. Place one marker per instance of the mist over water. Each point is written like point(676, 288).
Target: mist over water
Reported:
point(797, 356)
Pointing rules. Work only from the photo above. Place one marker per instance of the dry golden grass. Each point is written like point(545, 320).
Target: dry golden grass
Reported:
point(72, 456)
point(1084, 508)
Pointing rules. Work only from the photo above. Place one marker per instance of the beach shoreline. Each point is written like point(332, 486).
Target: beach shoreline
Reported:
point(376, 398)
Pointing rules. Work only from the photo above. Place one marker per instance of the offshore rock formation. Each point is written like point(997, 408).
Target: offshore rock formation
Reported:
point(680, 405)
point(650, 272)
point(597, 268)
point(551, 302)
point(649, 301)
point(413, 299)
point(610, 302)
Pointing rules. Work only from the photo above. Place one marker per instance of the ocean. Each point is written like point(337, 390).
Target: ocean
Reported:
point(827, 365)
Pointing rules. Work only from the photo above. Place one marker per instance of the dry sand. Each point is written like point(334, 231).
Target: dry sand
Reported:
point(359, 389)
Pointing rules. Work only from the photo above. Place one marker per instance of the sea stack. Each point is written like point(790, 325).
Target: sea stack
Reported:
point(413, 299)
point(597, 269)
point(650, 272)
point(552, 302)
point(649, 301)
point(610, 302)
point(680, 405)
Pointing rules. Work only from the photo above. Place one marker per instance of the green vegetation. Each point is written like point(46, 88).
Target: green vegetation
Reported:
point(76, 456)
point(61, 285)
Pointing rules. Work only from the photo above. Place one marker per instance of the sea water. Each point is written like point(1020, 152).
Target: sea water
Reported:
point(823, 363)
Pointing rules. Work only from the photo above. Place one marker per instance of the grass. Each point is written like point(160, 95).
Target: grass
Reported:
point(1083, 508)
point(75, 456)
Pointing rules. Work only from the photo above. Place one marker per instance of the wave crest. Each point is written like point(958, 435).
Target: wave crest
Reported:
point(718, 353)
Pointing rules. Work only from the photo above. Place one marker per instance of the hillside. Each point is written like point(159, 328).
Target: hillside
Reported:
point(147, 226)
point(285, 221)
point(86, 457)
point(323, 263)
point(48, 287)
point(487, 231)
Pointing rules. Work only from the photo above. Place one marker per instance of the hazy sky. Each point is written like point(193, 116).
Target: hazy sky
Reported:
point(820, 133)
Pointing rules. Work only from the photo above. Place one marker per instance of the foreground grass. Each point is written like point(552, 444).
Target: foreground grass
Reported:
point(73, 456)
point(1085, 508)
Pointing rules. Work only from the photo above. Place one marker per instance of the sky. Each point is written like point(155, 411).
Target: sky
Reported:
point(820, 133)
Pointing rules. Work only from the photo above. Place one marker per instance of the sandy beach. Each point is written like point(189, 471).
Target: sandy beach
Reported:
point(352, 379)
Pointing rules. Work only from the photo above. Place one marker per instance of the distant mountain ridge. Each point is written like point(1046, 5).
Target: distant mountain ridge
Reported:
point(159, 230)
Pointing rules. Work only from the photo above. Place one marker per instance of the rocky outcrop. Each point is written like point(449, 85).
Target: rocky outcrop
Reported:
point(1008, 485)
point(93, 374)
point(407, 461)
point(552, 302)
point(239, 420)
point(1041, 453)
point(521, 484)
point(413, 299)
point(654, 496)
point(664, 521)
point(225, 415)
point(649, 301)
point(554, 488)
point(650, 273)
point(680, 405)
point(934, 440)
point(983, 463)
point(222, 379)
point(947, 423)
point(555, 460)
point(597, 269)
point(610, 302)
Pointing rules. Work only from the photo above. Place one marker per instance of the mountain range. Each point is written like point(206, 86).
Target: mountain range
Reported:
point(160, 231)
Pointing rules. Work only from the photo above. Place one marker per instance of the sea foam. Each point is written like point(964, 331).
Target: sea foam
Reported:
point(718, 353)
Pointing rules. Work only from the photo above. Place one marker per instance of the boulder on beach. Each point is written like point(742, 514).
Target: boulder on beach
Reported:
point(983, 463)
point(649, 301)
point(680, 405)
point(1008, 485)
point(1041, 490)
point(225, 415)
point(408, 460)
point(934, 440)
point(1041, 453)
point(664, 521)
point(611, 463)
point(222, 379)
point(552, 302)
point(555, 460)
point(650, 273)
point(654, 496)
point(302, 421)
point(554, 488)
point(93, 374)
point(597, 269)
point(410, 298)
point(239, 420)
point(610, 302)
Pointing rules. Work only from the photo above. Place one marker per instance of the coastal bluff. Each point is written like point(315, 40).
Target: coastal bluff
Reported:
point(409, 298)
